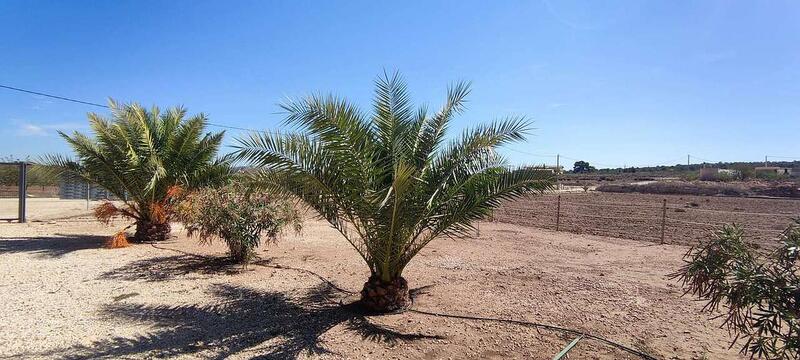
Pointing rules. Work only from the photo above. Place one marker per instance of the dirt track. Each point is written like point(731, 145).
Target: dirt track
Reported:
point(638, 216)
point(65, 297)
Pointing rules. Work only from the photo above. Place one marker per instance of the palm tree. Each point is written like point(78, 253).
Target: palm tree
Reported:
point(141, 156)
point(389, 181)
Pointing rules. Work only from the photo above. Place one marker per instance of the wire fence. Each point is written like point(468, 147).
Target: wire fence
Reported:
point(668, 220)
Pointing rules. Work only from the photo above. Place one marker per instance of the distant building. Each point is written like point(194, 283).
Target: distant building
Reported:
point(711, 174)
point(773, 170)
point(549, 169)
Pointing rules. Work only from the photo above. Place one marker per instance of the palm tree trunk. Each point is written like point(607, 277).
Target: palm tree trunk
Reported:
point(383, 297)
point(147, 231)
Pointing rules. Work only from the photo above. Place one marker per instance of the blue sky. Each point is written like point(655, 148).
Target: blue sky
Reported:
point(613, 82)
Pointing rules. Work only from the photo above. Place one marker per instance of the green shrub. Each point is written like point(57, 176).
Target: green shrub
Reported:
point(746, 172)
point(238, 217)
point(760, 292)
point(691, 175)
point(769, 175)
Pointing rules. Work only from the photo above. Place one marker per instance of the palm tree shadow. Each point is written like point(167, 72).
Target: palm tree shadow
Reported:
point(268, 324)
point(50, 247)
point(169, 267)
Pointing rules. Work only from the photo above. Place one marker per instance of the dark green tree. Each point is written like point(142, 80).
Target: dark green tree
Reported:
point(581, 167)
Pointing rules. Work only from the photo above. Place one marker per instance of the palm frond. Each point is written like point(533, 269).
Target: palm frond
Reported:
point(138, 154)
point(387, 181)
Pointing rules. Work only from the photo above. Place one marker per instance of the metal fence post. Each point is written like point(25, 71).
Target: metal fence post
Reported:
point(663, 220)
point(558, 213)
point(23, 185)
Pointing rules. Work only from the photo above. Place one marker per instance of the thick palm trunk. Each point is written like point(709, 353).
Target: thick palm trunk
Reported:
point(151, 231)
point(383, 297)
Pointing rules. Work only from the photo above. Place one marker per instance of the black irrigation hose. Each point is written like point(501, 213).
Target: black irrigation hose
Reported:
point(539, 325)
point(431, 313)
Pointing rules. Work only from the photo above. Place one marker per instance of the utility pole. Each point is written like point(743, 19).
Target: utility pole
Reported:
point(766, 161)
point(688, 160)
point(558, 161)
point(558, 170)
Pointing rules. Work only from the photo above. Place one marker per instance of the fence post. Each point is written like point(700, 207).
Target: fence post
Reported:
point(558, 213)
point(23, 194)
point(663, 220)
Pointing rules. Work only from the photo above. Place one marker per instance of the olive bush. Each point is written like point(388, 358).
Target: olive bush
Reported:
point(237, 216)
point(757, 290)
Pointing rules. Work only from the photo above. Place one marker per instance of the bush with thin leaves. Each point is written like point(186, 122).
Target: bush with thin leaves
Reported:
point(390, 181)
point(238, 217)
point(759, 292)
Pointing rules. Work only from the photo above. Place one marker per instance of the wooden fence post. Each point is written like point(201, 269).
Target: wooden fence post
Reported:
point(663, 220)
point(558, 213)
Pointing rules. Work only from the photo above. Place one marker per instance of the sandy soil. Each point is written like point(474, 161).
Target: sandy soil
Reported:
point(638, 216)
point(45, 208)
point(64, 297)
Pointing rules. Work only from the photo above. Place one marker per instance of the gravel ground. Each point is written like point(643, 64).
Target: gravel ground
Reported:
point(65, 297)
point(45, 208)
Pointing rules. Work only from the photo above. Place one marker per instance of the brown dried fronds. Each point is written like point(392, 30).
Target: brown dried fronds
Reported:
point(175, 192)
point(158, 213)
point(106, 211)
point(119, 240)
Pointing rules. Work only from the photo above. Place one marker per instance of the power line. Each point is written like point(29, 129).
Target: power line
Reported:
point(107, 107)
point(532, 154)
point(53, 96)
point(274, 133)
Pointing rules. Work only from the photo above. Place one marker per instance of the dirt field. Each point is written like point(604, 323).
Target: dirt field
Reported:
point(64, 297)
point(638, 216)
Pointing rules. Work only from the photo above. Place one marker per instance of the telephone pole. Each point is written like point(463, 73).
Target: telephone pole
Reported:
point(766, 161)
point(558, 170)
point(558, 161)
point(688, 160)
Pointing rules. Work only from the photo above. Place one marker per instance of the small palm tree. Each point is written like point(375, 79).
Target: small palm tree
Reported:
point(141, 156)
point(388, 181)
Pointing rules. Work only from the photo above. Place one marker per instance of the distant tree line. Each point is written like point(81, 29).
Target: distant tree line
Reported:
point(746, 168)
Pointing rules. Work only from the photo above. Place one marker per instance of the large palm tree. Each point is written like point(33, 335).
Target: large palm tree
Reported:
point(390, 181)
point(139, 155)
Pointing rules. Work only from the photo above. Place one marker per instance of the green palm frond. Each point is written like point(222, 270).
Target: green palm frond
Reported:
point(390, 181)
point(138, 154)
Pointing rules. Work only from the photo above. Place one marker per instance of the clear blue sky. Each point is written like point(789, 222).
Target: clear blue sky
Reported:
point(614, 83)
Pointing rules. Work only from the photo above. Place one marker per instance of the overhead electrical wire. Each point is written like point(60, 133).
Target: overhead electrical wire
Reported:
point(64, 98)
point(107, 107)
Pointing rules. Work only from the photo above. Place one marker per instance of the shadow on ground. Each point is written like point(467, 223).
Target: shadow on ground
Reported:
point(55, 246)
point(164, 268)
point(244, 321)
